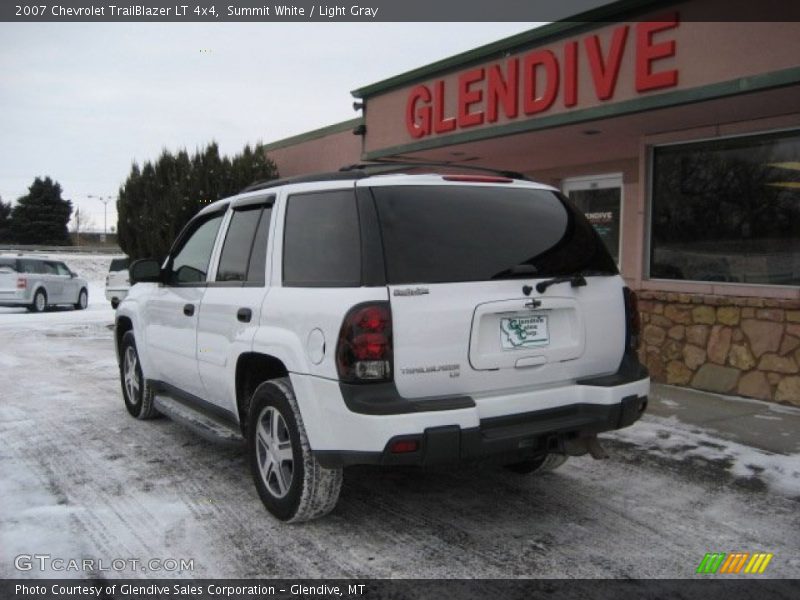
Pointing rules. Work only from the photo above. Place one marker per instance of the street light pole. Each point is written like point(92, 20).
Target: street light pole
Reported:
point(105, 200)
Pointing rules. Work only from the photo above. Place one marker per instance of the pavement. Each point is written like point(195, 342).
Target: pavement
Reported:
point(764, 425)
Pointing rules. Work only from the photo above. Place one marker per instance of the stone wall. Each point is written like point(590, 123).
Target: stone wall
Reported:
point(731, 345)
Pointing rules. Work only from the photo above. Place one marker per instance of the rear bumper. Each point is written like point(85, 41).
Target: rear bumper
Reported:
point(346, 430)
point(512, 437)
point(15, 298)
point(119, 294)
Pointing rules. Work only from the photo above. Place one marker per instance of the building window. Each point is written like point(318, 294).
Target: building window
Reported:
point(727, 210)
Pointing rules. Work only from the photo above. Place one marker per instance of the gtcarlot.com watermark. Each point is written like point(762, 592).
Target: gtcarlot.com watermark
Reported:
point(48, 562)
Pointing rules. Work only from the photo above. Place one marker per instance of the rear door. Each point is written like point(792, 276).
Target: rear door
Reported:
point(231, 307)
point(53, 282)
point(462, 263)
point(71, 284)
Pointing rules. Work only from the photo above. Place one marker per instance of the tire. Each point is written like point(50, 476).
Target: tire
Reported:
point(39, 303)
point(543, 464)
point(299, 489)
point(83, 300)
point(136, 392)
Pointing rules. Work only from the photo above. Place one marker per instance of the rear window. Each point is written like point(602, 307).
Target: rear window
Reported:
point(118, 264)
point(8, 264)
point(437, 234)
point(322, 240)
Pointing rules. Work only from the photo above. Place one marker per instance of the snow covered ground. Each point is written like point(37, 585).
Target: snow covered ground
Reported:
point(79, 478)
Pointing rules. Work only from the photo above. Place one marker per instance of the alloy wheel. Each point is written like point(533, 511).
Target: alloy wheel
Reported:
point(130, 373)
point(274, 448)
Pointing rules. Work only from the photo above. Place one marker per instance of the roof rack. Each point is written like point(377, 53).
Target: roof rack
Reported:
point(392, 166)
point(270, 183)
point(361, 170)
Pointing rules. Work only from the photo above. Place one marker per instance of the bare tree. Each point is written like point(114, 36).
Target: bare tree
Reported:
point(81, 222)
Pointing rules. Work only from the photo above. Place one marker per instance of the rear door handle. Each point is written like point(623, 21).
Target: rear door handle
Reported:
point(244, 315)
point(188, 309)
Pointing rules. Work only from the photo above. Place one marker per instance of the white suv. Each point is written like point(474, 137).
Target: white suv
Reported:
point(393, 319)
point(117, 281)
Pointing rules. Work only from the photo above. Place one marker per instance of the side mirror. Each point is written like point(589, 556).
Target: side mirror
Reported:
point(146, 270)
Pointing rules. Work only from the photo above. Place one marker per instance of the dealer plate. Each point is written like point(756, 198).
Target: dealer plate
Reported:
point(524, 331)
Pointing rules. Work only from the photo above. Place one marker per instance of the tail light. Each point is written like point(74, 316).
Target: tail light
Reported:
point(364, 350)
point(633, 323)
point(22, 283)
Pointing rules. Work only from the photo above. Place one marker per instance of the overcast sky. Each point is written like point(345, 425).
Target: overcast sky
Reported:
point(80, 102)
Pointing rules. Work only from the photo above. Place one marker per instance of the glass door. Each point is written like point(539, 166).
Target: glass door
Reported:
point(600, 199)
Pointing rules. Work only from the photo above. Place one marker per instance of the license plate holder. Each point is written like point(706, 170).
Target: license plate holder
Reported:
point(524, 331)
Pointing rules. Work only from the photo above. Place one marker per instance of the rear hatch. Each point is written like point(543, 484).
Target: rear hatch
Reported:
point(8, 277)
point(118, 277)
point(462, 264)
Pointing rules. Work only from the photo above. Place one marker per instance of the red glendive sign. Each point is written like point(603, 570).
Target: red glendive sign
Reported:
point(484, 93)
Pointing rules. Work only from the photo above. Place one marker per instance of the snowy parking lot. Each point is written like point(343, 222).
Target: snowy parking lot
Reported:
point(79, 478)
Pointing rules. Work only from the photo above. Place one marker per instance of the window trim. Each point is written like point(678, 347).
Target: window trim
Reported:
point(671, 284)
point(261, 201)
point(189, 229)
point(228, 223)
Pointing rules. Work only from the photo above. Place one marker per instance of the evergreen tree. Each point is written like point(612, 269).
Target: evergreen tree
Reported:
point(158, 199)
point(5, 221)
point(41, 216)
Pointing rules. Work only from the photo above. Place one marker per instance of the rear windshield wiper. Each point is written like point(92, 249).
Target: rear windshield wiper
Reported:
point(520, 270)
point(575, 280)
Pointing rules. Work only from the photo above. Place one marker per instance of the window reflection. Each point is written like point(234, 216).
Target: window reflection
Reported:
point(728, 210)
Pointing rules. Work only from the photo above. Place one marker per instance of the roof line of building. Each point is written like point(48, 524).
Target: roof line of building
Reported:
point(314, 134)
point(514, 43)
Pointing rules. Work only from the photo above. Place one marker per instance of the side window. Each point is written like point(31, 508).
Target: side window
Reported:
point(258, 257)
point(47, 268)
point(63, 270)
point(190, 263)
point(322, 240)
point(32, 266)
point(235, 258)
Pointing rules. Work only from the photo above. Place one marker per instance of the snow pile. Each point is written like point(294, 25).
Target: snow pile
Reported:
point(672, 439)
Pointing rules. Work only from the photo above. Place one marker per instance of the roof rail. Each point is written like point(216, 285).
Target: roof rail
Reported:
point(361, 170)
point(400, 166)
point(270, 183)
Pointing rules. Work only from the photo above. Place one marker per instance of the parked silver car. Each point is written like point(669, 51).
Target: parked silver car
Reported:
point(37, 283)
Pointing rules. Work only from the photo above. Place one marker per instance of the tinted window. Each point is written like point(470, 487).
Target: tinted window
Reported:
point(258, 257)
point(190, 264)
point(8, 263)
point(49, 268)
point(235, 257)
point(118, 264)
point(435, 234)
point(321, 241)
point(28, 266)
point(727, 210)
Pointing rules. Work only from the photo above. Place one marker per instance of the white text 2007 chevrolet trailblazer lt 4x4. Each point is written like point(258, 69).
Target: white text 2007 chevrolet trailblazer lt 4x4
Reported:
point(388, 319)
